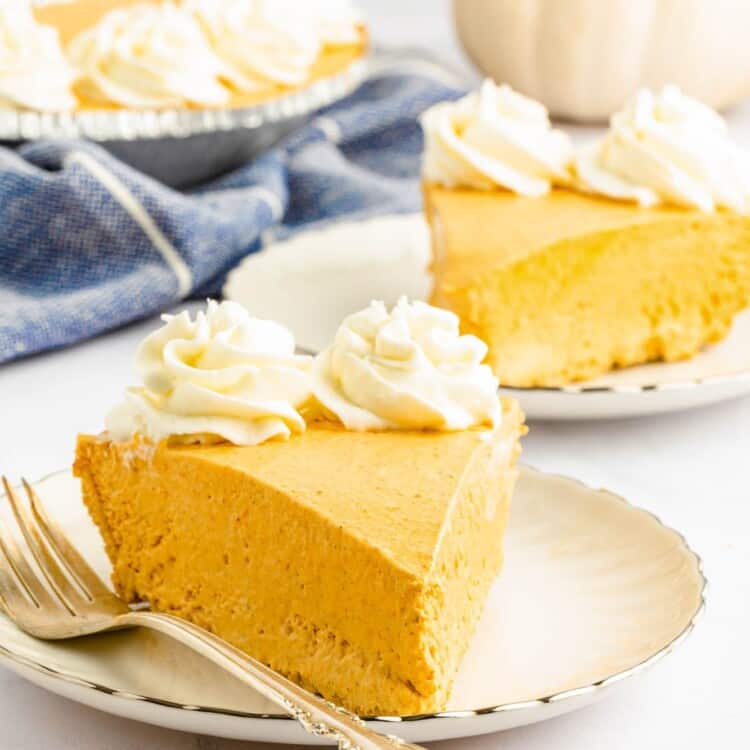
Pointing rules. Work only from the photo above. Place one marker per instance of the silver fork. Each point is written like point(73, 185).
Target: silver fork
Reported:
point(69, 600)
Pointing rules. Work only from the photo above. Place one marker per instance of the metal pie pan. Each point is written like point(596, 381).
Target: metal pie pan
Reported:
point(182, 147)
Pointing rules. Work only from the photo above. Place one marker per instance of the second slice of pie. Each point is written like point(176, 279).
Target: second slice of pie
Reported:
point(565, 267)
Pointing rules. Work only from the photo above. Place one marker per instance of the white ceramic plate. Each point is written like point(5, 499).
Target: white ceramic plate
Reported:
point(622, 589)
point(311, 281)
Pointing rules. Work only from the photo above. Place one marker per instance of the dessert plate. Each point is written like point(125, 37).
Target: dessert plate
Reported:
point(622, 589)
point(350, 263)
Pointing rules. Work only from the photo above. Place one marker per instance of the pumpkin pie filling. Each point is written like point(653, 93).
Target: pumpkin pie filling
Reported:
point(564, 284)
point(354, 561)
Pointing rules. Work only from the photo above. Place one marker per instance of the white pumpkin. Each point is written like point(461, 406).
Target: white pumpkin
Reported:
point(584, 58)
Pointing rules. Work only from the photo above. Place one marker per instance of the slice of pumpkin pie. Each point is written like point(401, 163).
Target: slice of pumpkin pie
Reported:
point(568, 264)
point(341, 520)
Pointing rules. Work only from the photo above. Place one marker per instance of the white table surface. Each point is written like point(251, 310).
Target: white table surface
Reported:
point(692, 469)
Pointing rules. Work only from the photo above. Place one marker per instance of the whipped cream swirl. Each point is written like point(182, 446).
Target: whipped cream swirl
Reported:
point(34, 73)
point(149, 56)
point(666, 147)
point(407, 369)
point(494, 138)
point(224, 375)
point(262, 43)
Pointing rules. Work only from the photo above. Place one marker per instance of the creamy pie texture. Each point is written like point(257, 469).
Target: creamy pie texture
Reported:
point(356, 562)
point(642, 256)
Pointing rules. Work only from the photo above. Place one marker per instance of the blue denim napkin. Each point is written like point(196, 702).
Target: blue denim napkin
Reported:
point(88, 244)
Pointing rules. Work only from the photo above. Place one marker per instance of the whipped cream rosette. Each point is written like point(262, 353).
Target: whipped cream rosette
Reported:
point(222, 376)
point(666, 147)
point(406, 369)
point(494, 137)
point(149, 55)
point(34, 73)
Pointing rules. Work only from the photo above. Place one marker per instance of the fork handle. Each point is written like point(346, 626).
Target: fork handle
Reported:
point(316, 715)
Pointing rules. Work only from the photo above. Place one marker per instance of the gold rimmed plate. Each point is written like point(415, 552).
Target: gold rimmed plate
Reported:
point(622, 589)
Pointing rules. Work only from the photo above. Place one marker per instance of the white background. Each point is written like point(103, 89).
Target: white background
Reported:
point(692, 469)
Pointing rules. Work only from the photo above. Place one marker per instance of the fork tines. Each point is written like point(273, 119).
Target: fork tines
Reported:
point(50, 579)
